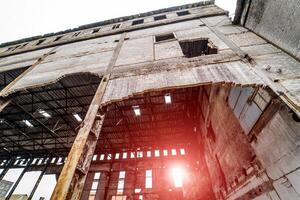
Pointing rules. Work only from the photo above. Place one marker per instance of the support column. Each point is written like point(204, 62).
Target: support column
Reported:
point(106, 192)
point(72, 177)
point(74, 172)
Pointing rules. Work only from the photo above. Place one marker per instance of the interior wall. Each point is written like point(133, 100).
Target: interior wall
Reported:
point(243, 166)
point(194, 184)
point(227, 151)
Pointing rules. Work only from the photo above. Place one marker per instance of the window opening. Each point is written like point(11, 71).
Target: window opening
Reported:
point(75, 34)
point(173, 152)
point(124, 155)
point(94, 157)
point(96, 30)
point(58, 38)
point(165, 152)
point(160, 17)
point(119, 197)
point(40, 42)
point(137, 190)
point(121, 182)
point(132, 155)
point(136, 110)
point(182, 13)
point(148, 183)
point(156, 153)
point(102, 157)
point(177, 174)
point(136, 22)
point(116, 26)
point(164, 37)
point(148, 154)
point(182, 151)
point(139, 154)
point(94, 185)
point(197, 47)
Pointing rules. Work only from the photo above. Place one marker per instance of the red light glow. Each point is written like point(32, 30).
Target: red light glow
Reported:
point(177, 176)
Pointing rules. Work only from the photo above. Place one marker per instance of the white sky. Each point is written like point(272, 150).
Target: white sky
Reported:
point(25, 18)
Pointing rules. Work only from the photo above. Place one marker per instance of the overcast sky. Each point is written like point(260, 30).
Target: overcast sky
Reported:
point(25, 18)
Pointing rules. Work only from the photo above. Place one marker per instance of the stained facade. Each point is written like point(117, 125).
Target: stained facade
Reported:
point(178, 103)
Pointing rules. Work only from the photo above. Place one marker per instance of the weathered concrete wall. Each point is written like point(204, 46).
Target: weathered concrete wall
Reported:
point(266, 169)
point(277, 147)
point(194, 185)
point(277, 21)
point(227, 150)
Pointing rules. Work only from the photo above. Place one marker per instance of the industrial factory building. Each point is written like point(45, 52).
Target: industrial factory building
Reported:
point(181, 103)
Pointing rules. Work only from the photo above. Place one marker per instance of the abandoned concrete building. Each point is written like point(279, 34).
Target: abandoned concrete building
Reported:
point(181, 103)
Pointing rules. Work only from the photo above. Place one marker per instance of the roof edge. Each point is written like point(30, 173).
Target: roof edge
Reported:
point(110, 21)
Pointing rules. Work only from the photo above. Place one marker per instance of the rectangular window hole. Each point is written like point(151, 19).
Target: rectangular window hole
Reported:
point(197, 47)
point(75, 34)
point(136, 22)
point(165, 37)
point(116, 26)
point(160, 17)
point(182, 13)
point(96, 30)
point(40, 41)
point(58, 38)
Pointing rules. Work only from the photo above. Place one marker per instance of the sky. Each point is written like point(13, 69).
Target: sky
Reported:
point(26, 18)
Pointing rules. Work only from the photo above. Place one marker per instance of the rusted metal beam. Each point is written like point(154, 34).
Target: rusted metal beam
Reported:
point(75, 169)
point(72, 177)
point(4, 103)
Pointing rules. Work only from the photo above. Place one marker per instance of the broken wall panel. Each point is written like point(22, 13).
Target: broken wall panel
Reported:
point(21, 60)
point(202, 32)
point(236, 73)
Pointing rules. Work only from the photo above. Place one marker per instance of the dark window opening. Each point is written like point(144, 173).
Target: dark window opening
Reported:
point(159, 38)
point(13, 48)
point(182, 13)
point(96, 30)
point(136, 22)
point(197, 47)
point(24, 45)
point(115, 26)
point(40, 41)
point(9, 48)
point(160, 17)
point(58, 38)
point(75, 34)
